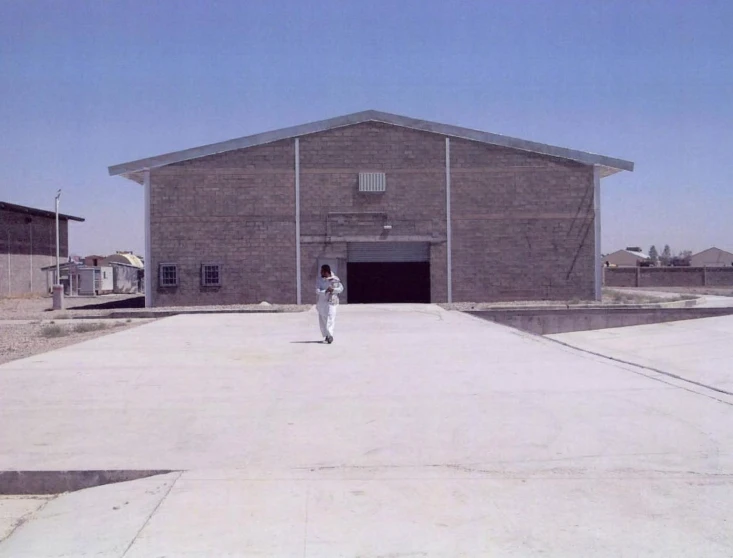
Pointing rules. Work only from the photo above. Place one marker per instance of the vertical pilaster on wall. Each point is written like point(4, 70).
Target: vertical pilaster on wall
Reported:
point(298, 294)
point(449, 236)
point(638, 276)
point(598, 264)
point(148, 245)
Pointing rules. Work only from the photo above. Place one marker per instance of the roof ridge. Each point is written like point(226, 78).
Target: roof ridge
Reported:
point(611, 164)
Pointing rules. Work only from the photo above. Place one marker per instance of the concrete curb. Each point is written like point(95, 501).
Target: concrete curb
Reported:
point(553, 321)
point(648, 306)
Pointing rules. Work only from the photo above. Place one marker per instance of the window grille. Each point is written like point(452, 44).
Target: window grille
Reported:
point(210, 275)
point(168, 276)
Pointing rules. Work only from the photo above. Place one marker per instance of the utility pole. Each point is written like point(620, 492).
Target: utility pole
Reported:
point(58, 240)
point(58, 290)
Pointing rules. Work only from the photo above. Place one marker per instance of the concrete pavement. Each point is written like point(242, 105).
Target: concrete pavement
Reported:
point(419, 432)
point(697, 350)
point(14, 510)
point(712, 301)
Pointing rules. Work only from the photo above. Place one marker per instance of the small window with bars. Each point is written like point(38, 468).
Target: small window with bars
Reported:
point(372, 182)
point(210, 275)
point(168, 275)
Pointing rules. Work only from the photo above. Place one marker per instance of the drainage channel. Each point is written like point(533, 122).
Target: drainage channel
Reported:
point(18, 483)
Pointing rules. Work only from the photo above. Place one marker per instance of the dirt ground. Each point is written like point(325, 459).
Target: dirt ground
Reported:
point(28, 326)
point(23, 338)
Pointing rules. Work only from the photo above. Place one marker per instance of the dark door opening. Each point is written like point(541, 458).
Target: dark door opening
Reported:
point(384, 282)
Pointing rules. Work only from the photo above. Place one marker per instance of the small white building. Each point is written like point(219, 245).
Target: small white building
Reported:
point(712, 257)
point(625, 258)
point(95, 280)
point(81, 280)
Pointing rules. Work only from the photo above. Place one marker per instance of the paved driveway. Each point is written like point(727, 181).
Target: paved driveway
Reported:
point(419, 432)
point(700, 351)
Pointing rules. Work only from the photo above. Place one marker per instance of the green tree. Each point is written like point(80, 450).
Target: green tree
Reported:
point(666, 256)
point(653, 254)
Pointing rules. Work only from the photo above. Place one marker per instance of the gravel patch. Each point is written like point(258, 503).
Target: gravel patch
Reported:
point(22, 339)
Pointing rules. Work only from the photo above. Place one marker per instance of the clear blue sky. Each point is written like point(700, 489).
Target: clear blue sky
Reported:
point(84, 85)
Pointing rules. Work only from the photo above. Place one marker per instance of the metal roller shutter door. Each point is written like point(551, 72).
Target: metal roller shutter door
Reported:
point(363, 252)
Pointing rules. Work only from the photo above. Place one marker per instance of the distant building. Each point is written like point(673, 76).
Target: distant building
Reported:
point(28, 243)
point(95, 260)
point(125, 258)
point(712, 257)
point(630, 257)
point(83, 280)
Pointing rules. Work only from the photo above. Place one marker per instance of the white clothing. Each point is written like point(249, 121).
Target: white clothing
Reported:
point(327, 303)
point(327, 321)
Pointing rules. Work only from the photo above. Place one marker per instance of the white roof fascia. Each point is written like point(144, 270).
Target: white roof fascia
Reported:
point(610, 165)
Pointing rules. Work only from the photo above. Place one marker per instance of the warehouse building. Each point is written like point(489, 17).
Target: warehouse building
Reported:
point(404, 210)
point(28, 243)
point(712, 257)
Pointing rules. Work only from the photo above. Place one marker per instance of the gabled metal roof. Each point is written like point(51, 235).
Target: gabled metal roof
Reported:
point(132, 170)
point(38, 212)
point(726, 252)
point(640, 255)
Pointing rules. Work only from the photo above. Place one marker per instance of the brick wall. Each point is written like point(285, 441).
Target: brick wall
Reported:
point(28, 243)
point(719, 277)
point(235, 209)
point(522, 223)
point(668, 277)
point(619, 276)
point(413, 203)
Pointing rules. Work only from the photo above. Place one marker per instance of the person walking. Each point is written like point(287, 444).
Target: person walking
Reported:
point(328, 288)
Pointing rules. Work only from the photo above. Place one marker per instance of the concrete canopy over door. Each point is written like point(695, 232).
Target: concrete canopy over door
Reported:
point(389, 272)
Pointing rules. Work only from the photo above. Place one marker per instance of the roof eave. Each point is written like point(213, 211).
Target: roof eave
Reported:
point(38, 212)
point(132, 169)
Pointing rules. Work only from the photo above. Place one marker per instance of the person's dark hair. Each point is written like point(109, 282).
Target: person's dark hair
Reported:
point(326, 267)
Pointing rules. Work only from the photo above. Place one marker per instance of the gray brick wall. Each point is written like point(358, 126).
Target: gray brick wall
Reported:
point(28, 243)
point(522, 223)
point(413, 203)
point(651, 277)
point(234, 209)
